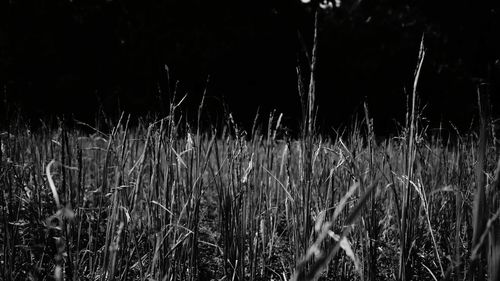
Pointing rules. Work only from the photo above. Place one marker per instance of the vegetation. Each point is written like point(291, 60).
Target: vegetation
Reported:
point(166, 201)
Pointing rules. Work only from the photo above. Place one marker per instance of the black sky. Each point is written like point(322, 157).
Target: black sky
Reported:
point(77, 56)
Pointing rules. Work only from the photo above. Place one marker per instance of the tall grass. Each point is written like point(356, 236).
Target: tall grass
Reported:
point(164, 201)
point(167, 200)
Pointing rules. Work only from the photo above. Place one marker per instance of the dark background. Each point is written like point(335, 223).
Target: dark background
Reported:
point(75, 57)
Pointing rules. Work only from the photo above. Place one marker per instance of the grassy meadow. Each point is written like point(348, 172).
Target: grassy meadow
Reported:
point(165, 201)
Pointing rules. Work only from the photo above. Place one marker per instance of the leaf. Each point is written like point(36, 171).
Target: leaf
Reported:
point(344, 199)
point(319, 221)
point(354, 213)
point(346, 246)
point(52, 185)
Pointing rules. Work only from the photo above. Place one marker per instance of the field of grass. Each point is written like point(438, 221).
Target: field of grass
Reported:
point(163, 201)
point(169, 200)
